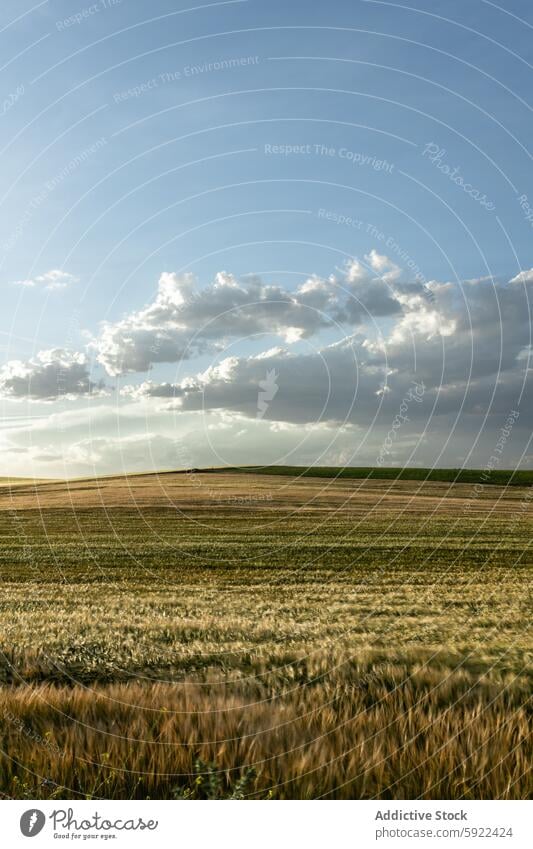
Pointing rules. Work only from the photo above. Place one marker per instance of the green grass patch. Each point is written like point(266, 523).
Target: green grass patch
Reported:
point(499, 477)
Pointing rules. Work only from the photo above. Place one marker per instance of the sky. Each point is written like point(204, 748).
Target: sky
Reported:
point(250, 233)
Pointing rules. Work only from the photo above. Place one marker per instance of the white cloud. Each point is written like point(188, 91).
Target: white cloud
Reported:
point(183, 321)
point(51, 280)
point(50, 375)
point(523, 277)
point(468, 343)
point(464, 344)
point(382, 265)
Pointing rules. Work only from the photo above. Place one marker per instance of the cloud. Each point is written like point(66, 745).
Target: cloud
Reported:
point(50, 280)
point(476, 329)
point(143, 452)
point(523, 277)
point(183, 321)
point(149, 389)
point(384, 266)
point(50, 375)
point(306, 388)
point(468, 345)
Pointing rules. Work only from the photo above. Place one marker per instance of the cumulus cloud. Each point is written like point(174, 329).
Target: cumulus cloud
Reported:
point(525, 276)
point(382, 265)
point(184, 321)
point(325, 386)
point(477, 329)
point(51, 280)
point(149, 389)
point(50, 375)
point(468, 345)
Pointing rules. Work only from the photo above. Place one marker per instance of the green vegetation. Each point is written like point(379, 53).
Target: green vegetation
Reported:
point(283, 649)
point(499, 477)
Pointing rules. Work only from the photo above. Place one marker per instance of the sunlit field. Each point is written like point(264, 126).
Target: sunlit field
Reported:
point(265, 636)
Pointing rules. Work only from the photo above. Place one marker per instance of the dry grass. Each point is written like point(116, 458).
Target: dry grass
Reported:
point(345, 639)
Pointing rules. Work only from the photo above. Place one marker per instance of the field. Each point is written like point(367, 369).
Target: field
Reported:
point(265, 636)
point(500, 477)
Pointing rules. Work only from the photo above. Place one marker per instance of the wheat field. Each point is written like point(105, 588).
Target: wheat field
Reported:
point(259, 636)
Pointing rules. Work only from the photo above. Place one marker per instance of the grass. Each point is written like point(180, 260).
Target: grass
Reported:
point(498, 477)
point(319, 729)
point(256, 637)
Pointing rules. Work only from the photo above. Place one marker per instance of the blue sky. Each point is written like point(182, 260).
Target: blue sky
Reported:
point(364, 168)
